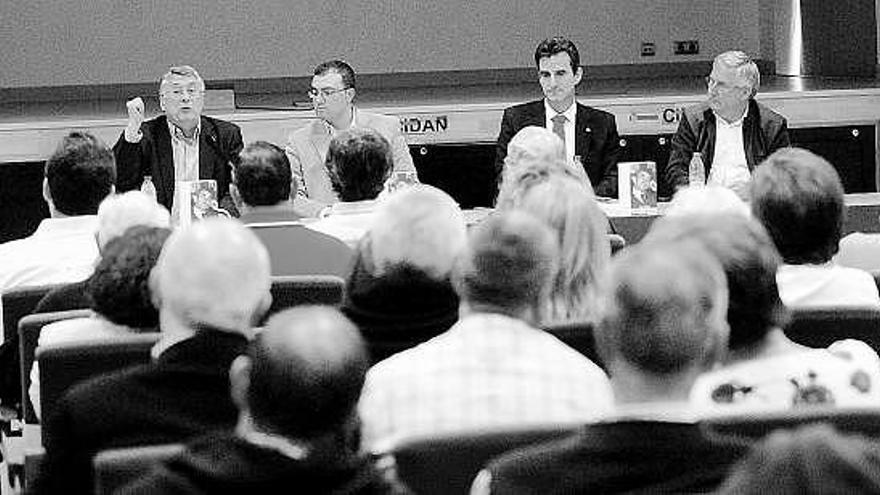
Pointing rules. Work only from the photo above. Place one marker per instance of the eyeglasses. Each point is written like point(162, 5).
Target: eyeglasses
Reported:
point(711, 82)
point(179, 93)
point(324, 92)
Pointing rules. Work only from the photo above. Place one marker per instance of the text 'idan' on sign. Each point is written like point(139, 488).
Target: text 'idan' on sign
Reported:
point(424, 124)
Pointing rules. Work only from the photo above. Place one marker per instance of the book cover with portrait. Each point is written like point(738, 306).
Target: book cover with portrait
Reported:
point(637, 187)
point(196, 200)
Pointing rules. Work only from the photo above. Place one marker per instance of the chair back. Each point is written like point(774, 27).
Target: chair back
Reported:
point(753, 427)
point(115, 468)
point(298, 250)
point(578, 336)
point(447, 464)
point(820, 327)
point(18, 303)
point(65, 364)
point(29, 329)
point(294, 290)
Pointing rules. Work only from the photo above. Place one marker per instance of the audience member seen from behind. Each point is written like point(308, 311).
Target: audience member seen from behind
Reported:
point(308, 356)
point(662, 324)
point(534, 145)
point(261, 185)
point(77, 177)
point(211, 285)
point(811, 460)
point(798, 197)
point(116, 214)
point(400, 292)
point(763, 369)
point(333, 92)
point(706, 200)
point(119, 293)
point(493, 368)
point(358, 162)
point(580, 227)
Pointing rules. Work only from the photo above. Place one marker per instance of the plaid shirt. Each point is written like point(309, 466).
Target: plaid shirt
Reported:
point(488, 370)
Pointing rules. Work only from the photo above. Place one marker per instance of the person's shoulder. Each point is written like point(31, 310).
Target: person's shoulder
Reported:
point(594, 113)
point(767, 113)
point(525, 108)
point(543, 457)
point(222, 126)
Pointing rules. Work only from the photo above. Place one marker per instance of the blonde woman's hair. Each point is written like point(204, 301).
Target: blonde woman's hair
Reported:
point(580, 227)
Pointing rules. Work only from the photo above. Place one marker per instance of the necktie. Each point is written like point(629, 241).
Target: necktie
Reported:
point(559, 126)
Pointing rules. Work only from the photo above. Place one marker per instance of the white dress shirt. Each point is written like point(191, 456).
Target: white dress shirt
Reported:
point(729, 166)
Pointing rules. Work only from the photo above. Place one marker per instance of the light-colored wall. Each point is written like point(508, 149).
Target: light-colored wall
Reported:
point(52, 43)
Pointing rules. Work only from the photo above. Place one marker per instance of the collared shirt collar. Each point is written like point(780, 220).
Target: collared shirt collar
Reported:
point(569, 112)
point(736, 123)
point(666, 412)
point(177, 132)
point(73, 224)
point(332, 130)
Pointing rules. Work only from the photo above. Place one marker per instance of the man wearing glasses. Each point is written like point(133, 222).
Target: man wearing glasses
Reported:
point(181, 145)
point(733, 132)
point(333, 92)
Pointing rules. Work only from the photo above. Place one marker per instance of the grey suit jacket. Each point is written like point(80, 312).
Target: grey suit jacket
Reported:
point(307, 149)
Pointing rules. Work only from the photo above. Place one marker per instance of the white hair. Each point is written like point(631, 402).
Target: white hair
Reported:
point(534, 144)
point(118, 212)
point(707, 199)
point(215, 272)
point(421, 226)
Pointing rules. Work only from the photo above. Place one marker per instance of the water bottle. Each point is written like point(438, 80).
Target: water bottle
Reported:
point(696, 170)
point(148, 188)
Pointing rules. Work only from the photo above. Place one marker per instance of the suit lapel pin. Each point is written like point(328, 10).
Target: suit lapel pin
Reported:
point(587, 129)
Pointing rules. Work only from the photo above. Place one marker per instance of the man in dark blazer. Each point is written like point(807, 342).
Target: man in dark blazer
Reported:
point(211, 285)
point(590, 135)
point(180, 145)
point(305, 355)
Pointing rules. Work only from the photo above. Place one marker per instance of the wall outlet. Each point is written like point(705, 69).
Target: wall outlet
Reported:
point(648, 49)
point(687, 47)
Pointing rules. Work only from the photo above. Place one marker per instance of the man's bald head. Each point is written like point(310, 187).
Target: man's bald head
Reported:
point(306, 372)
point(215, 273)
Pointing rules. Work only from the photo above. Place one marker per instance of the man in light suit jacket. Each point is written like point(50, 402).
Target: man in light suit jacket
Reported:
point(333, 92)
point(182, 145)
point(590, 135)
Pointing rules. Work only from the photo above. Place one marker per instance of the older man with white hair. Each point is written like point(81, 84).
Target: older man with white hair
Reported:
point(732, 131)
point(533, 144)
point(399, 291)
point(211, 285)
point(180, 145)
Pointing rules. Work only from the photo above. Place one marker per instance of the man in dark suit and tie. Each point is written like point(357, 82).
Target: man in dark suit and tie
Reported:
point(590, 135)
point(181, 145)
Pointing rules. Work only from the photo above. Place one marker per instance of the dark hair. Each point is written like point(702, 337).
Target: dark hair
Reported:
point(750, 261)
point(660, 306)
point(341, 68)
point(263, 175)
point(307, 371)
point(508, 265)
point(81, 173)
point(798, 197)
point(119, 287)
point(558, 44)
point(358, 163)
